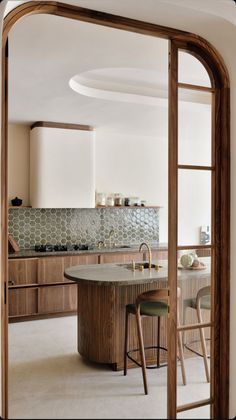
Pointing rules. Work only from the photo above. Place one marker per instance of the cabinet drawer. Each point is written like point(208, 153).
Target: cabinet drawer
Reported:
point(23, 271)
point(23, 302)
point(54, 299)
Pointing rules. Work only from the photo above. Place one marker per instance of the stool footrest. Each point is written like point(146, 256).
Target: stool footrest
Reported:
point(195, 351)
point(147, 348)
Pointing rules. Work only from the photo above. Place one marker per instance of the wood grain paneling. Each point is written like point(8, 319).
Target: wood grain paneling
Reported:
point(23, 271)
point(23, 302)
point(101, 322)
point(51, 269)
point(57, 299)
point(120, 257)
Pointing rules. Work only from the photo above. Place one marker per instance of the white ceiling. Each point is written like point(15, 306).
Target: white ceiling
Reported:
point(47, 51)
point(42, 64)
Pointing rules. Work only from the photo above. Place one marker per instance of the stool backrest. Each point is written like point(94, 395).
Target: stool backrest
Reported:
point(153, 295)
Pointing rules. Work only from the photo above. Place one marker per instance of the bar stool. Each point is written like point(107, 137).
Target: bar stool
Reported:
point(202, 301)
point(151, 303)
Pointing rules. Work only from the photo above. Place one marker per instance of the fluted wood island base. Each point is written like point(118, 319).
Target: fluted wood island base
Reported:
point(104, 290)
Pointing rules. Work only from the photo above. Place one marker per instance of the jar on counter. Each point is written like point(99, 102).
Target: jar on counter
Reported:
point(110, 200)
point(100, 199)
point(118, 199)
point(127, 201)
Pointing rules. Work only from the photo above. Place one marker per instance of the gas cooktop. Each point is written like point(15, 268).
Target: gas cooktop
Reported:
point(62, 248)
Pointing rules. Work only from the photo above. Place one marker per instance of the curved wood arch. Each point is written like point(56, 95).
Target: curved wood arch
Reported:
point(219, 77)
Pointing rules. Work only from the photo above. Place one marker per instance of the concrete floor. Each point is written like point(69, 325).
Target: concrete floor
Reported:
point(49, 379)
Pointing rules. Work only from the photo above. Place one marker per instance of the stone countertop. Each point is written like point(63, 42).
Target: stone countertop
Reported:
point(31, 253)
point(123, 275)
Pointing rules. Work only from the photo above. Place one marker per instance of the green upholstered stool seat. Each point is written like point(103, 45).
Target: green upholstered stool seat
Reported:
point(205, 302)
point(150, 308)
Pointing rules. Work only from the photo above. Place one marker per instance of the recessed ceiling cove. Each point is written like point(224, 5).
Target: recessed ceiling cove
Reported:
point(123, 84)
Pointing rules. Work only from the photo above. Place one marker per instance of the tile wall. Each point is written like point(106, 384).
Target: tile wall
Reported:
point(83, 226)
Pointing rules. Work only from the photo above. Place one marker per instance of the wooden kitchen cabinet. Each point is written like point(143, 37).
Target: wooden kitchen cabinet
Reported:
point(57, 299)
point(52, 294)
point(60, 298)
point(23, 301)
point(23, 271)
point(51, 269)
point(121, 257)
point(158, 255)
point(38, 288)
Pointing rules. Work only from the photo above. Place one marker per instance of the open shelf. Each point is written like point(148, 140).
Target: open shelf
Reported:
point(127, 207)
point(19, 207)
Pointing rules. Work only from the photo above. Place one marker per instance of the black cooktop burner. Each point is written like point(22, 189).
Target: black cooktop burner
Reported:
point(56, 248)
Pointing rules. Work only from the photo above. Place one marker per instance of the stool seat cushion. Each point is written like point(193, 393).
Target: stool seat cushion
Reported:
point(157, 308)
point(205, 302)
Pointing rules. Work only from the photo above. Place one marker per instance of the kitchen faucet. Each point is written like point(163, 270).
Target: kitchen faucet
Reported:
point(149, 253)
point(111, 234)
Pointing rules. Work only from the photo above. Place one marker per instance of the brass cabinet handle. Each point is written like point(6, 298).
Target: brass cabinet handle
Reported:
point(11, 282)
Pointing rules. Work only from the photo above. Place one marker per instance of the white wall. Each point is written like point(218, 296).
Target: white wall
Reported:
point(137, 165)
point(134, 166)
point(18, 162)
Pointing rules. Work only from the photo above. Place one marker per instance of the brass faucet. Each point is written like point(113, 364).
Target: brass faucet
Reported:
point(111, 233)
point(149, 253)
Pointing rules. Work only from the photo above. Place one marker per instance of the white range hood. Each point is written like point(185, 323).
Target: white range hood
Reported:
point(62, 166)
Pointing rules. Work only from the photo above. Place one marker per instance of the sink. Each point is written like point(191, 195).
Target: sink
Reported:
point(139, 265)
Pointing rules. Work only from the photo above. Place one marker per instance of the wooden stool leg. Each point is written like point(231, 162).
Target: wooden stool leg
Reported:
point(158, 340)
point(181, 356)
point(203, 343)
point(180, 347)
point(126, 341)
point(141, 349)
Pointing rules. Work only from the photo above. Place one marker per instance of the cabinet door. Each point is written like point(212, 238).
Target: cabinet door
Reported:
point(23, 302)
point(80, 260)
point(51, 269)
point(23, 271)
point(55, 299)
point(120, 257)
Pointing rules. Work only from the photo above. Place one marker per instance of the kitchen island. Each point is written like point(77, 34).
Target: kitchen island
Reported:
point(105, 290)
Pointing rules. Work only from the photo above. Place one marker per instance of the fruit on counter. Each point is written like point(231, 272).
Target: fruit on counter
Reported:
point(186, 260)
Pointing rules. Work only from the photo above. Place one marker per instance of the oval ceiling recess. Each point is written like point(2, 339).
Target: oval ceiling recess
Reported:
point(131, 85)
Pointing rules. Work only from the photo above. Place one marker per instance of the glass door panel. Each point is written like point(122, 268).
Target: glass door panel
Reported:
point(194, 207)
point(195, 250)
point(194, 311)
point(194, 127)
point(191, 70)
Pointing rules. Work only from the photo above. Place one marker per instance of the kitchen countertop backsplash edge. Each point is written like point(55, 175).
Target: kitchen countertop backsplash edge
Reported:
point(31, 253)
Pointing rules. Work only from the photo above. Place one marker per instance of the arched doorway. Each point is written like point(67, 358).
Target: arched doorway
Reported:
point(219, 169)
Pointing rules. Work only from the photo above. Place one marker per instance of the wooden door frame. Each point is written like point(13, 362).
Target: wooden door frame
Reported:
point(220, 79)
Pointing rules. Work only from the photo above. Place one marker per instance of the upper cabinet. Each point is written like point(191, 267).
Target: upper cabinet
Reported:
point(62, 167)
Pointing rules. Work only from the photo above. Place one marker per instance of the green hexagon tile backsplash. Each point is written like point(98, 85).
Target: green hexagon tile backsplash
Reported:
point(83, 226)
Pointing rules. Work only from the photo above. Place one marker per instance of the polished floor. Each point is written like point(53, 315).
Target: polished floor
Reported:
point(49, 380)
